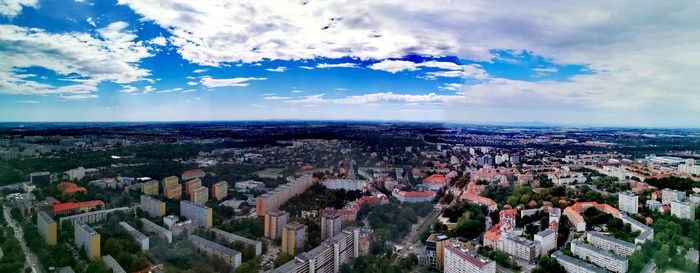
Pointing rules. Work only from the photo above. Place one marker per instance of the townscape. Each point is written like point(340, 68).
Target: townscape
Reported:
point(347, 197)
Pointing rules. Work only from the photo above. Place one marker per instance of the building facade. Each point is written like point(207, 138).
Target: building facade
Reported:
point(173, 192)
point(547, 240)
point(200, 195)
point(573, 265)
point(327, 257)
point(293, 237)
point(232, 238)
point(219, 191)
point(458, 259)
point(230, 256)
point(683, 209)
point(87, 238)
point(274, 222)
point(150, 187)
point(149, 226)
point(617, 246)
point(191, 186)
point(200, 213)
point(518, 247)
point(628, 202)
point(600, 257)
point(669, 195)
point(331, 224)
point(47, 228)
point(274, 199)
point(141, 240)
point(153, 207)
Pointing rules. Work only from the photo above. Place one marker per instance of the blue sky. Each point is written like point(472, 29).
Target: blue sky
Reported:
point(139, 60)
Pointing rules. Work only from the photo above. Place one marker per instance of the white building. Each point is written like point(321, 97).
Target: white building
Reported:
point(620, 247)
point(458, 259)
point(141, 239)
point(669, 195)
point(155, 228)
point(689, 167)
point(330, 256)
point(519, 247)
point(600, 257)
point(413, 196)
point(628, 202)
point(653, 205)
point(683, 209)
point(547, 240)
point(346, 184)
point(573, 265)
point(152, 206)
point(112, 264)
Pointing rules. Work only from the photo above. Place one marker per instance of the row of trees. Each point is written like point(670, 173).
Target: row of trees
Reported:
point(673, 238)
point(13, 258)
point(392, 222)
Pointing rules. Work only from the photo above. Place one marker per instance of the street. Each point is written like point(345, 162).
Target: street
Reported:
point(32, 260)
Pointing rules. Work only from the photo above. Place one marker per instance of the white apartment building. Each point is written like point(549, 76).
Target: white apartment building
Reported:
point(458, 259)
point(669, 195)
point(617, 246)
point(519, 247)
point(573, 265)
point(152, 206)
point(141, 239)
point(683, 209)
point(547, 240)
point(689, 167)
point(628, 202)
point(600, 257)
point(195, 212)
point(327, 257)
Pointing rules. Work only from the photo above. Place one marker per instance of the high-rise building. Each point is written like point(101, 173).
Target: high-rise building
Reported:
point(112, 264)
point(173, 192)
point(274, 199)
point(150, 187)
point(191, 186)
point(149, 226)
point(47, 227)
point(458, 259)
point(274, 222)
point(617, 246)
point(153, 207)
point(87, 238)
point(600, 257)
point(200, 195)
point(233, 238)
point(518, 247)
point(628, 202)
point(170, 181)
point(669, 195)
point(434, 250)
point(689, 167)
point(548, 241)
point(330, 225)
point(230, 256)
point(219, 190)
point(192, 174)
point(683, 209)
point(327, 257)
point(200, 213)
point(293, 237)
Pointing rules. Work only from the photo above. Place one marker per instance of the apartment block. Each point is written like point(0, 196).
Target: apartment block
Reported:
point(331, 224)
point(192, 174)
point(141, 240)
point(683, 209)
point(149, 226)
point(434, 253)
point(573, 265)
point(327, 257)
point(274, 222)
point(170, 181)
point(293, 237)
point(519, 247)
point(274, 199)
point(600, 257)
point(191, 186)
point(219, 191)
point(617, 246)
point(628, 202)
point(87, 238)
point(547, 240)
point(153, 207)
point(230, 256)
point(200, 213)
point(200, 195)
point(458, 259)
point(232, 238)
point(47, 228)
point(112, 264)
point(91, 217)
point(173, 192)
point(150, 187)
point(669, 195)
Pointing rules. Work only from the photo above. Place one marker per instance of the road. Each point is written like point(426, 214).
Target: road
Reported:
point(32, 260)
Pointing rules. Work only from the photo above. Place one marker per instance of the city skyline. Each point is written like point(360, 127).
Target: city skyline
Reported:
point(601, 64)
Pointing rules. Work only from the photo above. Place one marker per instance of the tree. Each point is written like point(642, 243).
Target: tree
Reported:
point(548, 264)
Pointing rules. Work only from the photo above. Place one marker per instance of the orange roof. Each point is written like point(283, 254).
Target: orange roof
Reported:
point(72, 205)
point(70, 187)
point(435, 179)
point(416, 193)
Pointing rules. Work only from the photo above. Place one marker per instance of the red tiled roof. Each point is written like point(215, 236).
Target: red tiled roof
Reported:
point(70, 187)
point(416, 193)
point(435, 179)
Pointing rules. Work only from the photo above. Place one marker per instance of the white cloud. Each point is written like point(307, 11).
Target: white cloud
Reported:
point(277, 69)
point(297, 91)
point(128, 89)
point(238, 82)
point(467, 71)
point(545, 69)
point(275, 98)
point(177, 89)
point(306, 67)
point(11, 8)
point(76, 57)
point(199, 70)
point(148, 89)
point(393, 66)
point(79, 97)
point(28, 101)
point(90, 21)
point(373, 98)
point(192, 83)
point(159, 41)
point(451, 86)
point(339, 65)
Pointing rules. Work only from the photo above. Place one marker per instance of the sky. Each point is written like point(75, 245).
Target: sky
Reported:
point(602, 63)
